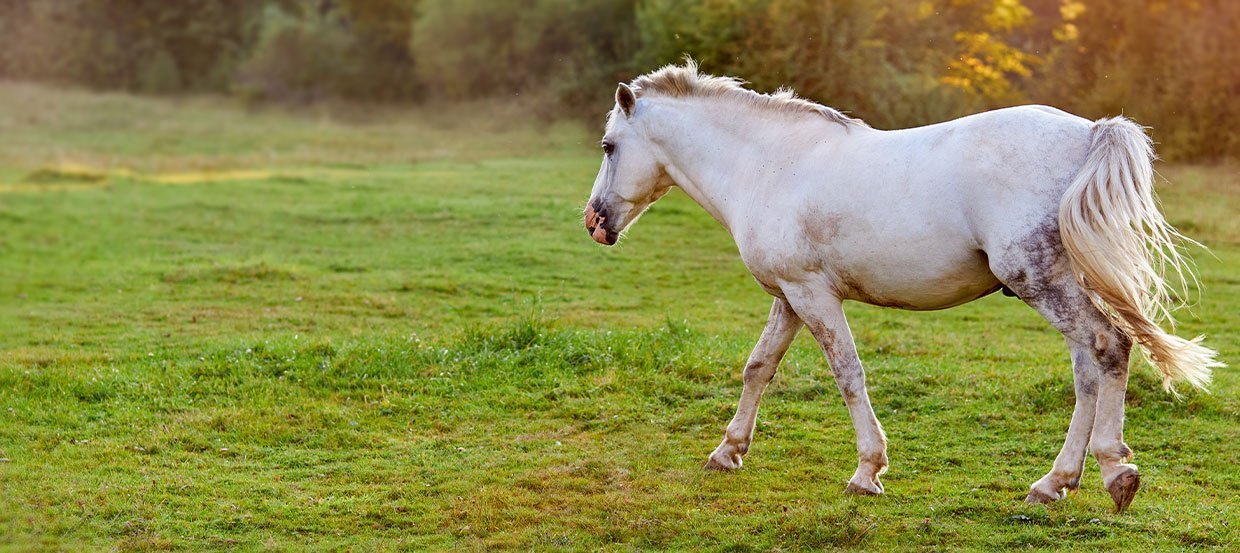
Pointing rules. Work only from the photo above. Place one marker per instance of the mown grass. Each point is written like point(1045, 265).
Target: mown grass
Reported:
point(291, 331)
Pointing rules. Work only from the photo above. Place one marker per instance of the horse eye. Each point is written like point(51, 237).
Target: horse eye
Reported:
point(608, 148)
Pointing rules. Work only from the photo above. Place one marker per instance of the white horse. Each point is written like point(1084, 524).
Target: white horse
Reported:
point(1048, 206)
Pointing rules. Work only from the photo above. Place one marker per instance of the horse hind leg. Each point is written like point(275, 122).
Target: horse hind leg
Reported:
point(1120, 477)
point(1066, 472)
point(1042, 277)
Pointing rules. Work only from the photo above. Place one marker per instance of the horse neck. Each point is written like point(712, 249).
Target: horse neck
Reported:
point(723, 155)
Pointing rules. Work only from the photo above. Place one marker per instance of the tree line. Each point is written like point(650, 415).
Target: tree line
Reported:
point(1170, 64)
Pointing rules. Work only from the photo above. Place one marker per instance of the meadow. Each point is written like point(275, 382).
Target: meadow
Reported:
point(232, 327)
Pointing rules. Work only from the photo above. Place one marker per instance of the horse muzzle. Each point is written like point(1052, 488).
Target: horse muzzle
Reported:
point(596, 224)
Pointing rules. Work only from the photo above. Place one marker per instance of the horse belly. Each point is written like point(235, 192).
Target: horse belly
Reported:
point(908, 278)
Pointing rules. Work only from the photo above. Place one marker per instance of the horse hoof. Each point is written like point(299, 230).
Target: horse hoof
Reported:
point(854, 488)
point(1123, 487)
point(714, 464)
point(1039, 497)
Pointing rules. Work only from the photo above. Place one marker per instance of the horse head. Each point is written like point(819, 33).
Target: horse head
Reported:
point(630, 178)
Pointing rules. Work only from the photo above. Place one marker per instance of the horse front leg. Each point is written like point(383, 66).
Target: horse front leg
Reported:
point(824, 315)
point(781, 327)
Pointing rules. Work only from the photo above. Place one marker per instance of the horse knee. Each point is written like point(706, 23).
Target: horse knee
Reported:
point(851, 386)
point(758, 373)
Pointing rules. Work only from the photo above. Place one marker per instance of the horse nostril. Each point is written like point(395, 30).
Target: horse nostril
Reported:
point(591, 217)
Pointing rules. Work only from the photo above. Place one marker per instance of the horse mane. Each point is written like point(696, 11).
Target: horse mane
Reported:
point(685, 81)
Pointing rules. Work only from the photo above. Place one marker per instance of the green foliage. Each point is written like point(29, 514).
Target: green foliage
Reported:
point(894, 63)
point(349, 49)
point(712, 31)
point(841, 53)
point(574, 49)
point(128, 44)
point(471, 47)
point(1180, 76)
point(299, 59)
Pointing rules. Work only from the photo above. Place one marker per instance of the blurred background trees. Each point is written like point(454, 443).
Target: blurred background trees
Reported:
point(129, 44)
point(1171, 64)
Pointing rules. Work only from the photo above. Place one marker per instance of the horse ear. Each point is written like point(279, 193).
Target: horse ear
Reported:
point(626, 99)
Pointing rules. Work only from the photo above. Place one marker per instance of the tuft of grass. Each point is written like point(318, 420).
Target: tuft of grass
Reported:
point(234, 274)
point(64, 174)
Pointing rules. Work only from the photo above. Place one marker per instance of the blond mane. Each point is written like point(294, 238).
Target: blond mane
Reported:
point(677, 81)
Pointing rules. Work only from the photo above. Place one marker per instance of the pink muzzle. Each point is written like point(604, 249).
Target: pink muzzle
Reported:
point(594, 225)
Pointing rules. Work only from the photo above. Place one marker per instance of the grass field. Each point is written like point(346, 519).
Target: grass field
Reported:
point(380, 329)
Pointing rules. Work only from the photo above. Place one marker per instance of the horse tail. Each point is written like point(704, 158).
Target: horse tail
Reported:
point(1121, 247)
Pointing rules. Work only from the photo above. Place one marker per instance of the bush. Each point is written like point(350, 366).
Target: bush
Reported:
point(354, 49)
point(575, 50)
point(840, 53)
point(128, 44)
point(1181, 76)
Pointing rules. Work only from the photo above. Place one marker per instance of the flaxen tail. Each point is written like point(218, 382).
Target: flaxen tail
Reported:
point(1122, 248)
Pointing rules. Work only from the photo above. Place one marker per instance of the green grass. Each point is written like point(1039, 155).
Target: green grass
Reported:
point(265, 329)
